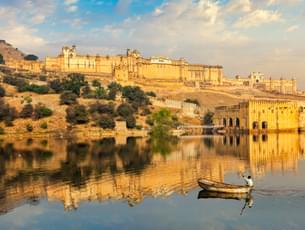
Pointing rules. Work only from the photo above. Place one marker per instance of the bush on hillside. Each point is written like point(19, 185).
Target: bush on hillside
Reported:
point(77, 114)
point(125, 110)
point(29, 127)
point(68, 98)
point(7, 114)
point(40, 89)
point(101, 93)
point(56, 85)
point(42, 111)
point(15, 81)
point(96, 83)
point(74, 82)
point(135, 96)
point(27, 111)
point(106, 122)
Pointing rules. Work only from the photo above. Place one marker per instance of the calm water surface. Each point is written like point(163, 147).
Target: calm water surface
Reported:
point(139, 184)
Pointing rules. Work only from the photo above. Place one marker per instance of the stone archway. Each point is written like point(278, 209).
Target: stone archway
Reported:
point(237, 122)
point(264, 125)
point(230, 122)
point(224, 122)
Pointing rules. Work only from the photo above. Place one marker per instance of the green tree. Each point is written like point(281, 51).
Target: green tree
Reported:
point(31, 57)
point(74, 82)
point(208, 118)
point(162, 123)
point(77, 114)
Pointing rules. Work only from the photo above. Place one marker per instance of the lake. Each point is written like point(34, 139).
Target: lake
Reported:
point(128, 183)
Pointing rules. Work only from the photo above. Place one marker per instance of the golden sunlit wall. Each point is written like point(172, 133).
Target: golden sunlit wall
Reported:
point(259, 115)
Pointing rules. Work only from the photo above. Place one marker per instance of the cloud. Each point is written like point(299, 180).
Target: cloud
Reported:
point(71, 5)
point(285, 2)
point(19, 34)
point(239, 6)
point(123, 6)
point(293, 28)
point(175, 28)
point(257, 18)
point(71, 8)
point(31, 11)
point(70, 2)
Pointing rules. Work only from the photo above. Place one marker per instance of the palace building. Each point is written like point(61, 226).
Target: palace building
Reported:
point(257, 80)
point(260, 116)
point(131, 66)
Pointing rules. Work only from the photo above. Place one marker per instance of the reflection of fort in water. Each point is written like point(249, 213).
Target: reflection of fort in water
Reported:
point(101, 170)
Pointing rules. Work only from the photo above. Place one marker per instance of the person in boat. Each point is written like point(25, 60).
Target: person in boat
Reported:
point(248, 180)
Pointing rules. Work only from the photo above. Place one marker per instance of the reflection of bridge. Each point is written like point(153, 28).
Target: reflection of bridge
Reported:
point(198, 129)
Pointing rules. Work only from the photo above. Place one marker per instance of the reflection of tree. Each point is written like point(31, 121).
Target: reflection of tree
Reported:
point(132, 157)
point(77, 151)
point(72, 173)
point(208, 142)
point(70, 170)
point(103, 155)
point(163, 145)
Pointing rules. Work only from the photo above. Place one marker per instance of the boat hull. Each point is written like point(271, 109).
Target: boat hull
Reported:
point(204, 194)
point(214, 186)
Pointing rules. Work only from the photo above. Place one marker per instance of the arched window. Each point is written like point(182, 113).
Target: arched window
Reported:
point(255, 125)
point(237, 122)
point(230, 122)
point(264, 125)
point(224, 122)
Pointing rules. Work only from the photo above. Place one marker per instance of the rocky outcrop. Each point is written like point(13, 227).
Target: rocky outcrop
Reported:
point(8, 51)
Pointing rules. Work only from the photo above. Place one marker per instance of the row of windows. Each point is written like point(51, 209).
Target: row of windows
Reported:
point(229, 140)
point(231, 123)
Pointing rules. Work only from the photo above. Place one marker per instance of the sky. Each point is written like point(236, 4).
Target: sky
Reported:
point(241, 35)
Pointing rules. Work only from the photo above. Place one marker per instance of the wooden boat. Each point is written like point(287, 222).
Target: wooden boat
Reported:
point(204, 194)
point(214, 186)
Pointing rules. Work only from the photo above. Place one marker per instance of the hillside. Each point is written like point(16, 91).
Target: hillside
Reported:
point(8, 51)
point(219, 96)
